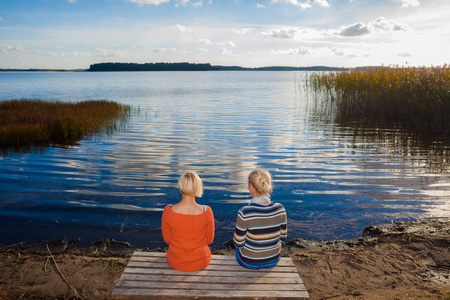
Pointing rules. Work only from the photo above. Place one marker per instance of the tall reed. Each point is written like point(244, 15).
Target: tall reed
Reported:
point(37, 122)
point(415, 97)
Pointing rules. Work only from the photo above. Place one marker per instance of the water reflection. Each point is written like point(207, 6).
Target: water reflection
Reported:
point(334, 179)
point(428, 152)
point(114, 206)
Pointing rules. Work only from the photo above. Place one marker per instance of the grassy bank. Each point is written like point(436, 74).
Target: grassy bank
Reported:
point(37, 122)
point(418, 98)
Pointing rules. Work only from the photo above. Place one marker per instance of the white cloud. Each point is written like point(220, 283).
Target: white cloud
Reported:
point(226, 52)
point(380, 28)
point(338, 51)
point(286, 33)
point(410, 3)
point(101, 52)
point(164, 50)
point(295, 51)
point(204, 41)
point(154, 2)
point(322, 3)
point(357, 29)
point(77, 54)
point(404, 55)
point(305, 3)
point(181, 28)
point(207, 42)
point(244, 30)
point(379, 25)
point(260, 6)
point(109, 53)
point(72, 1)
point(199, 41)
point(9, 49)
point(186, 2)
point(228, 44)
point(321, 52)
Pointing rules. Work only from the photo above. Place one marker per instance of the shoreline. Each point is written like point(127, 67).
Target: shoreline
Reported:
point(400, 261)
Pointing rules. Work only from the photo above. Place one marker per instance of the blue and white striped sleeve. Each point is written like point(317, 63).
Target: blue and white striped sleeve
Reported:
point(240, 231)
point(283, 227)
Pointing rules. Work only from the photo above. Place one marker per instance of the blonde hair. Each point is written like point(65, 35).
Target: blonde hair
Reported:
point(261, 180)
point(190, 184)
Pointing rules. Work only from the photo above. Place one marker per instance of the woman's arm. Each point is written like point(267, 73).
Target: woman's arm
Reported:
point(165, 225)
point(240, 231)
point(210, 226)
point(283, 227)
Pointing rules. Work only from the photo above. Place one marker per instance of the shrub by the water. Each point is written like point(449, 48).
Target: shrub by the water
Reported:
point(416, 97)
point(37, 122)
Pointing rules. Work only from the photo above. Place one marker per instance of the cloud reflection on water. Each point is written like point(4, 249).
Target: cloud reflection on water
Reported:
point(334, 179)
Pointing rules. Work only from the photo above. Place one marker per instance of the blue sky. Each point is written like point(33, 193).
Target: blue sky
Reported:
point(71, 34)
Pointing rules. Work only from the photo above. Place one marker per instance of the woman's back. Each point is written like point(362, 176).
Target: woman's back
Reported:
point(188, 236)
point(188, 209)
point(260, 230)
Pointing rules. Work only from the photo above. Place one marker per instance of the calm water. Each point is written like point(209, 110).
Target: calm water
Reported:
point(333, 180)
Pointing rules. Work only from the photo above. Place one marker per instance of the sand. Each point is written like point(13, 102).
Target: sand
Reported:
point(401, 261)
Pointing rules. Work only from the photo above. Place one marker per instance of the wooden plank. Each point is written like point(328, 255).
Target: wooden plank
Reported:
point(213, 257)
point(136, 293)
point(149, 276)
point(230, 260)
point(210, 279)
point(206, 286)
point(236, 267)
point(145, 253)
point(206, 272)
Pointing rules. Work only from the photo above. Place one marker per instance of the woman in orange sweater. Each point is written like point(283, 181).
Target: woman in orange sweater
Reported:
point(188, 227)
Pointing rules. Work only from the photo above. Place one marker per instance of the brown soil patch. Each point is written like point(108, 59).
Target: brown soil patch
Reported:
point(405, 261)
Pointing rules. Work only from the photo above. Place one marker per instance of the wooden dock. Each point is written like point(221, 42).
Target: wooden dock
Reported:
point(149, 276)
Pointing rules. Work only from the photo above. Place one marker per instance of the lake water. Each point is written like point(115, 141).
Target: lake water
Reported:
point(334, 180)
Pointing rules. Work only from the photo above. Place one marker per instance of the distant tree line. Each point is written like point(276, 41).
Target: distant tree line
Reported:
point(184, 66)
point(281, 68)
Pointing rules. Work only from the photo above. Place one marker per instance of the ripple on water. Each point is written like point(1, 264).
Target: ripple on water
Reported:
point(333, 180)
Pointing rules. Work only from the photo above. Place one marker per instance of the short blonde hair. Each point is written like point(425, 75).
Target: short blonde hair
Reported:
point(190, 184)
point(261, 180)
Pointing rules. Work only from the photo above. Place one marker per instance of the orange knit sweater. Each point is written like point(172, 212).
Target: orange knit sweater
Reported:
point(188, 237)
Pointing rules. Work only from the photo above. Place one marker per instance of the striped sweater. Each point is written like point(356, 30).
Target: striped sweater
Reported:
point(259, 232)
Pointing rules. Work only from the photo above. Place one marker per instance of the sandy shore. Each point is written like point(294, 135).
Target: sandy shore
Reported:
point(402, 261)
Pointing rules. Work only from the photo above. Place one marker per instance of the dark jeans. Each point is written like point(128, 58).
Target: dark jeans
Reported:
point(263, 265)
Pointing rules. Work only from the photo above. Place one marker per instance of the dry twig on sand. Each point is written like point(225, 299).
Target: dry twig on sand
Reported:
point(56, 265)
point(21, 243)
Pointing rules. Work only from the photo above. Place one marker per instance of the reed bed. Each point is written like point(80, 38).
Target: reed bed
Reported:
point(37, 122)
point(417, 98)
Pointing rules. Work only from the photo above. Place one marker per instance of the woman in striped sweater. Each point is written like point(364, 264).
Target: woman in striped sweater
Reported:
point(261, 226)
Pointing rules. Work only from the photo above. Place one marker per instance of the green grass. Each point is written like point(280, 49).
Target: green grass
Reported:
point(36, 122)
point(417, 98)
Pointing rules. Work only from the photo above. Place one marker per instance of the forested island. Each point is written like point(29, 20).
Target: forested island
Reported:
point(117, 67)
point(184, 66)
